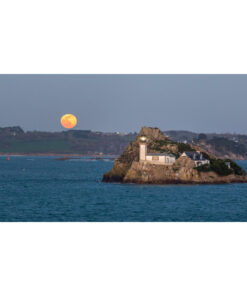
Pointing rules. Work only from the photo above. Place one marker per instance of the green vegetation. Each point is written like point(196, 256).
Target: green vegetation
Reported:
point(182, 147)
point(236, 168)
point(220, 167)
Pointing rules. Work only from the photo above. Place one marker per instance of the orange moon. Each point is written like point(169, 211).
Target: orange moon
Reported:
point(68, 120)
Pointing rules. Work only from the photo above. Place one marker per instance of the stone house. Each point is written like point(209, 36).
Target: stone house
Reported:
point(197, 157)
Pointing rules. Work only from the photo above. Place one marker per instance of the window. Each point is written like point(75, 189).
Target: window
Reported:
point(155, 157)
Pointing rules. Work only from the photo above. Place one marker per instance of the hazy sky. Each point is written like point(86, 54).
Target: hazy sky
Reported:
point(206, 103)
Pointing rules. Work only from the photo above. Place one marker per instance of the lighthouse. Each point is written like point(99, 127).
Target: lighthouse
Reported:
point(143, 148)
point(162, 158)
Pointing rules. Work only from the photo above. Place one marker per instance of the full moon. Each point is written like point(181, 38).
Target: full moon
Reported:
point(69, 121)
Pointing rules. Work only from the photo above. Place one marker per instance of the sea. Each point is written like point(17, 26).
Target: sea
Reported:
point(43, 189)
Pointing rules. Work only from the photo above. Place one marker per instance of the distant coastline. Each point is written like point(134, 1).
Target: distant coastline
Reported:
point(15, 141)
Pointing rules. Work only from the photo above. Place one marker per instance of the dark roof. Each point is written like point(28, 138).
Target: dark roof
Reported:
point(195, 155)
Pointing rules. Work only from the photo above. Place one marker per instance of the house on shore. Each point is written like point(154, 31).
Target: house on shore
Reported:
point(197, 157)
point(154, 158)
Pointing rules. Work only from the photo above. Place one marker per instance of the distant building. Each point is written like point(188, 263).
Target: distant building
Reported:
point(197, 157)
point(154, 158)
point(228, 164)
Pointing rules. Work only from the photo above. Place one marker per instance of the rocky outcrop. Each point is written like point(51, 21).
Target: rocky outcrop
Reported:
point(128, 169)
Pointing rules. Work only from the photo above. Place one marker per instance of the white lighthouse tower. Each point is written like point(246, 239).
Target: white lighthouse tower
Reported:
point(143, 148)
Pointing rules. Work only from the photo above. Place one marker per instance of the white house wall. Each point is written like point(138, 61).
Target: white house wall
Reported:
point(162, 159)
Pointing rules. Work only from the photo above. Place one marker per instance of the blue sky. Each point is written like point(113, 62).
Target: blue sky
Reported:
point(201, 103)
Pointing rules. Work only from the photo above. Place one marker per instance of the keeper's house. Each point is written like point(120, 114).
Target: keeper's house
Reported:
point(197, 157)
point(154, 158)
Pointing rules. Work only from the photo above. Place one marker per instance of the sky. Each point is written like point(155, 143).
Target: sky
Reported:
point(125, 103)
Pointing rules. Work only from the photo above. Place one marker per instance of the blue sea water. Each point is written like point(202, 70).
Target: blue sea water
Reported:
point(44, 189)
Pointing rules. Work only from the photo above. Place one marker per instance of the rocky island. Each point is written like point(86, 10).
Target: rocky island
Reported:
point(153, 158)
